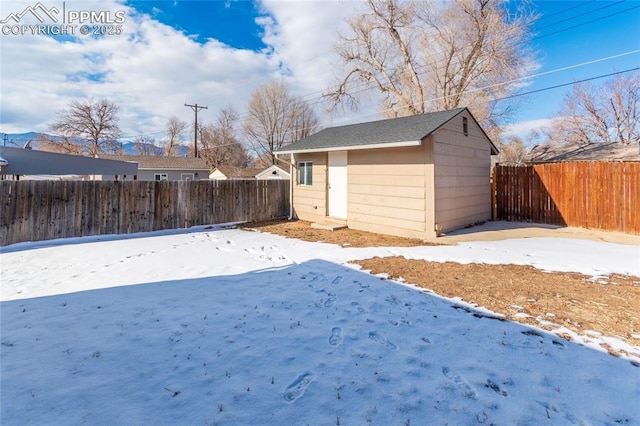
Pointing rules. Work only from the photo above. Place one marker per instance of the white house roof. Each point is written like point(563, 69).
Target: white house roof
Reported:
point(394, 132)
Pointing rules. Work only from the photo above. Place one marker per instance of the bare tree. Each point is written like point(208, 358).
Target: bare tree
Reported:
point(175, 129)
point(62, 145)
point(146, 145)
point(513, 151)
point(275, 118)
point(94, 124)
point(219, 141)
point(607, 113)
point(426, 56)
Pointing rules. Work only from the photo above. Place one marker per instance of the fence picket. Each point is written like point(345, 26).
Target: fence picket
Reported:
point(42, 210)
point(599, 195)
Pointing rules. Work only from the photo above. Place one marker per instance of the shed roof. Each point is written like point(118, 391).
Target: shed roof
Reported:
point(147, 162)
point(394, 132)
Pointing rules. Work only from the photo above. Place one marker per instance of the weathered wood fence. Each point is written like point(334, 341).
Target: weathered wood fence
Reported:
point(43, 210)
point(599, 195)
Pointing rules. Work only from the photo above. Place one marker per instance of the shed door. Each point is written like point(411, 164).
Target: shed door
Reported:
point(337, 186)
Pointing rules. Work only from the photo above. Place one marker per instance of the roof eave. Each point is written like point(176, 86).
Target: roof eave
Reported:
point(351, 147)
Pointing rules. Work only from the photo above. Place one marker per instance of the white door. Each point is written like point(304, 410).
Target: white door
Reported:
point(338, 184)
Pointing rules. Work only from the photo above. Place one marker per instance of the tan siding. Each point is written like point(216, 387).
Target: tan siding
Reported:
point(407, 203)
point(462, 173)
point(395, 191)
point(377, 180)
point(386, 192)
point(310, 202)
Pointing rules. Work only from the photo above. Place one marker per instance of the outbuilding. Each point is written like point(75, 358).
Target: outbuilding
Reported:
point(418, 176)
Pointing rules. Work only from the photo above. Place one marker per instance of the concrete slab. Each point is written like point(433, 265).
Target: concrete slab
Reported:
point(501, 230)
point(328, 226)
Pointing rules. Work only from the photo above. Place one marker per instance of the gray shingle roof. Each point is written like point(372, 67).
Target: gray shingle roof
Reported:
point(395, 130)
point(239, 172)
point(157, 163)
point(614, 151)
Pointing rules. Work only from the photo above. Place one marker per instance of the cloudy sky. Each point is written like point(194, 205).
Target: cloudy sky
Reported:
point(163, 54)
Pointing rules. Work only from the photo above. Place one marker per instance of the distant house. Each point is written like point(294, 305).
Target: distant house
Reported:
point(613, 151)
point(271, 172)
point(224, 173)
point(160, 168)
point(417, 176)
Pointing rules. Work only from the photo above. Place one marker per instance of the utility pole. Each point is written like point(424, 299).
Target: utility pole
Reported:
point(196, 108)
point(4, 139)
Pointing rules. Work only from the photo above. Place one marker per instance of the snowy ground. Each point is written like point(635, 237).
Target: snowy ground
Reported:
point(224, 326)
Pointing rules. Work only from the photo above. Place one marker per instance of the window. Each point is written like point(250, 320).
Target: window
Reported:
point(161, 176)
point(186, 176)
point(305, 175)
point(465, 126)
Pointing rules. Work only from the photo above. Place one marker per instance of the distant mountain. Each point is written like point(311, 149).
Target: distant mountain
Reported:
point(34, 141)
point(20, 140)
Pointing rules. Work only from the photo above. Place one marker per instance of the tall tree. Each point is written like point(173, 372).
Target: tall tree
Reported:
point(171, 142)
point(92, 123)
point(609, 112)
point(275, 118)
point(424, 56)
point(219, 141)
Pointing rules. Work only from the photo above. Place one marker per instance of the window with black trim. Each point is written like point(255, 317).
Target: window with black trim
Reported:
point(305, 173)
point(465, 126)
point(161, 176)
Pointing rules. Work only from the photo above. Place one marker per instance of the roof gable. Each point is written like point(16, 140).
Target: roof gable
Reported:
point(273, 170)
point(391, 132)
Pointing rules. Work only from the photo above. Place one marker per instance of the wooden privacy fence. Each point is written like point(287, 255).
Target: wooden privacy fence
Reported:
point(599, 195)
point(43, 210)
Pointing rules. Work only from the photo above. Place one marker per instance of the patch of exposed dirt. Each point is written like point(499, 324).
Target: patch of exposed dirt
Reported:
point(521, 293)
point(302, 230)
point(528, 295)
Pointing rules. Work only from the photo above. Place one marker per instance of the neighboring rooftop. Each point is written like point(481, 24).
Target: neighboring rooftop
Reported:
point(239, 172)
point(156, 162)
point(614, 151)
point(412, 129)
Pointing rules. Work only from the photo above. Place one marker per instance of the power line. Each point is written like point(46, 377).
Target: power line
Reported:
point(566, 10)
point(586, 23)
point(566, 84)
point(582, 14)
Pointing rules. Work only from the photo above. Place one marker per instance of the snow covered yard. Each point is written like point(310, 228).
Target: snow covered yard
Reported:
point(224, 326)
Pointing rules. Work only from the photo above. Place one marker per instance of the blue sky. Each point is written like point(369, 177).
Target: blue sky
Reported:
point(216, 53)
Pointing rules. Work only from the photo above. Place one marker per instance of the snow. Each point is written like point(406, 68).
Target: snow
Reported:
point(224, 326)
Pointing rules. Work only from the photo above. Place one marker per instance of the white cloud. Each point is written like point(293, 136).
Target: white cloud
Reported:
point(524, 128)
point(153, 69)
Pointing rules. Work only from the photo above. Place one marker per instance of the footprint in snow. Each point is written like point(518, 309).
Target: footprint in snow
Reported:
point(459, 382)
point(378, 338)
point(358, 306)
point(330, 301)
point(336, 336)
point(296, 388)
